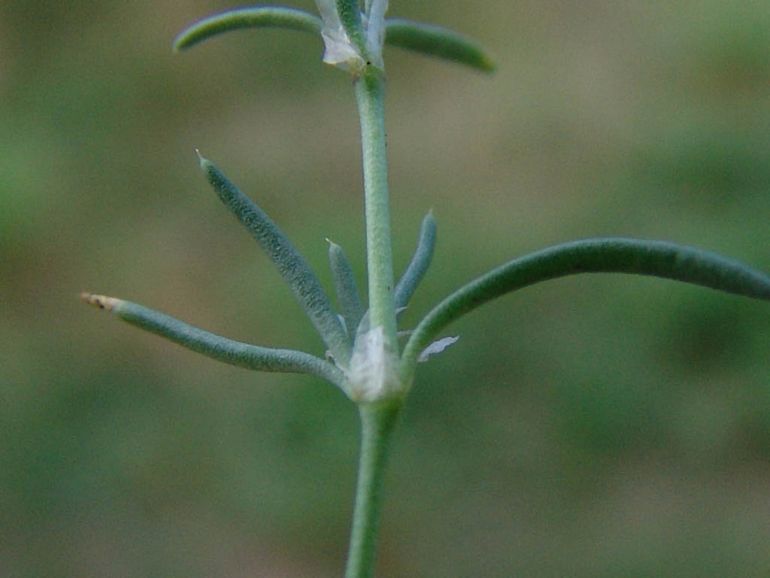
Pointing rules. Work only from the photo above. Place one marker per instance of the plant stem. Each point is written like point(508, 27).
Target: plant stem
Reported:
point(370, 92)
point(377, 424)
point(377, 419)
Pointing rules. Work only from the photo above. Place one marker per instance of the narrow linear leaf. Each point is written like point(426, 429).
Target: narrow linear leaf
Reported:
point(291, 265)
point(258, 17)
point(611, 255)
point(215, 346)
point(348, 296)
point(419, 264)
point(437, 41)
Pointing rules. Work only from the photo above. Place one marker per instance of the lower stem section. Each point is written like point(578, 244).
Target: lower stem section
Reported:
point(377, 424)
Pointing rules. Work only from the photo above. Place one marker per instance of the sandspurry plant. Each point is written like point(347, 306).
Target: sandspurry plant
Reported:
point(365, 353)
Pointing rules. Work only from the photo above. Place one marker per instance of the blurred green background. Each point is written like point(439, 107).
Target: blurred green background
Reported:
point(594, 426)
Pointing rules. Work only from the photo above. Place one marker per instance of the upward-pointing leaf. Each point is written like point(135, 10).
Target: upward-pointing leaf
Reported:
point(348, 297)
point(419, 264)
point(291, 265)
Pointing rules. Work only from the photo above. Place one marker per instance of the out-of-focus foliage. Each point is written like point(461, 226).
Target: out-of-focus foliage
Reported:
point(590, 427)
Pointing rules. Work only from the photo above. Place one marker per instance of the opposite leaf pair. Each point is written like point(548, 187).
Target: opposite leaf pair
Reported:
point(427, 39)
point(355, 362)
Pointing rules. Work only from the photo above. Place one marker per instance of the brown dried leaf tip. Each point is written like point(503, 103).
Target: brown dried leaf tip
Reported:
point(100, 301)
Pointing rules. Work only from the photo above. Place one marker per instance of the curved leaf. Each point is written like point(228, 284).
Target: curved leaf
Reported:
point(215, 346)
point(291, 265)
point(259, 17)
point(611, 255)
point(437, 41)
point(419, 264)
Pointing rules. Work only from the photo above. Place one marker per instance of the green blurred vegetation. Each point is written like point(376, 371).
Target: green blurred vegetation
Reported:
point(594, 426)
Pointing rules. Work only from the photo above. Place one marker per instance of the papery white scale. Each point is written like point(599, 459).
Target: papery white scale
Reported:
point(374, 368)
point(374, 24)
point(339, 50)
point(436, 347)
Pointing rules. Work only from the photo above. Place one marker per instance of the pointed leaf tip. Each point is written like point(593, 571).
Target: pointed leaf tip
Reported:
point(201, 159)
point(100, 301)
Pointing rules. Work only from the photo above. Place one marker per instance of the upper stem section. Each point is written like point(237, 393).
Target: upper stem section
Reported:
point(374, 368)
point(370, 92)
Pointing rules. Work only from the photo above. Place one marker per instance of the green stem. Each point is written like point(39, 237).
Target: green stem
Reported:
point(377, 419)
point(370, 89)
point(377, 424)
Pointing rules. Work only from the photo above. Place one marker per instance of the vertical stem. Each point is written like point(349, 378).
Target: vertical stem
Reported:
point(370, 92)
point(377, 419)
point(377, 425)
